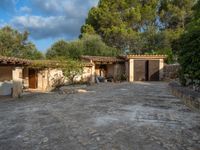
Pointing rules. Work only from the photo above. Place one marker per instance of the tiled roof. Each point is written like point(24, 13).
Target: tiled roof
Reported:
point(13, 61)
point(88, 64)
point(102, 59)
point(146, 56)
point(53, 64)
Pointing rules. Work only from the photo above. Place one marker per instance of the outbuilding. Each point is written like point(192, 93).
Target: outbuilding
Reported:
point(145, 67)
point(106, 67)
point(134, 67)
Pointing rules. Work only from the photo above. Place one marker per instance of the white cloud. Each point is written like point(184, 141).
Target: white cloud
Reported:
point(54, 18)
point(45, 27)
point(25, 9)
point(71, 8)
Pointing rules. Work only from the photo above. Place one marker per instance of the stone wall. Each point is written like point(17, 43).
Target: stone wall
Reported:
point(119, 71)
point(17, 76)
point(87, 74)
point(171, 71)
point(190, 97)
point(48, 79)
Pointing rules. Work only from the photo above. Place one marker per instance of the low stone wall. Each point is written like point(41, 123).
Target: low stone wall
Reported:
point(190, 98)
point(171, 71)
point(17, 89)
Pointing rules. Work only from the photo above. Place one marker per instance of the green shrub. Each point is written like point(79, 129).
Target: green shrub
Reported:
point(189, 53)
point(189, 57)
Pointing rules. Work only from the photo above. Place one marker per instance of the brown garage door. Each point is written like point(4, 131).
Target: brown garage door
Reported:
point(153, 70)
point(32, 79)
point(140, 70)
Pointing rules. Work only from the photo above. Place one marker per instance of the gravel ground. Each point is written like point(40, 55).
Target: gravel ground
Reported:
point(122, 116)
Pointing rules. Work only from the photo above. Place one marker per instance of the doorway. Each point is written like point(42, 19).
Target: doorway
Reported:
point(146, 70)
point(153, 70)
point(33, 79)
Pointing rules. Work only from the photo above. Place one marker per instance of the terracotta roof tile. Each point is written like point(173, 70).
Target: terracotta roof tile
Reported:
point(102, 59)
point(88, 64)
point(146, 56)
point(13, 61)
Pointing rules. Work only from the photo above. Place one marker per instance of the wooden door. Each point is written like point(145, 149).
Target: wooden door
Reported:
point(32, 79)
point(153, 70)
point(140, 70)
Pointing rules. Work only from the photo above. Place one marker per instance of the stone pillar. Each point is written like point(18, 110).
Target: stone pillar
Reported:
point(43, 77)
point(115, 73)
point(17, 76)
point(93, 73)
point(131, 70)
point(25, 77)
point(127, 70)
point(161, 69)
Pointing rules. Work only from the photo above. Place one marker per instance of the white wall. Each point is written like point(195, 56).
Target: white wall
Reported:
point(6, 88)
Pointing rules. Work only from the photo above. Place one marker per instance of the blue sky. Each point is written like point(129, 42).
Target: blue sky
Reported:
point(46, 20)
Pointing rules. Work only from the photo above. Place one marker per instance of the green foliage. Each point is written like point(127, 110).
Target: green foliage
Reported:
point(16, 44)
point(94, 46)
point(87, 45)
point(175, 13)
point(65, 49)
point(87, 29)
point(119, 21)
point(72, 69)
point(58, 49)
point(195, 23)
point(170, 57)
point(42, 64)
point(31, 52)
point(189, 54)
point(137, 26)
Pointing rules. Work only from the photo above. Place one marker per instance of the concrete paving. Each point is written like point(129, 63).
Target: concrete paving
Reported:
point(124, 116)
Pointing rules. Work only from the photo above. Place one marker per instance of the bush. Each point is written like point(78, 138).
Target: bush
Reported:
point(189, 57)
point(72, 69)
point(189, 54)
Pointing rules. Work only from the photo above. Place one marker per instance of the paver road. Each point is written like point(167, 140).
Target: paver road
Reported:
point(124, 116)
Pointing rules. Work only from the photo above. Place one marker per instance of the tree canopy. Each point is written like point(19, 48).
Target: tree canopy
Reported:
point(16, 44)
point(189, 53)
point(139, 25)
point(87, 45)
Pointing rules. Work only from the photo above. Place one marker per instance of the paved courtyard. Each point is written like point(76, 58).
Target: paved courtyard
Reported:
point(139, 116)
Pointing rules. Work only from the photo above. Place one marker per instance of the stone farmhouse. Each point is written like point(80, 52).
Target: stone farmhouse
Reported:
point(133, 67)
point(17, 74)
